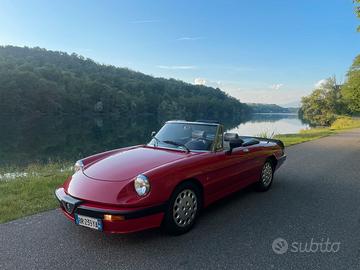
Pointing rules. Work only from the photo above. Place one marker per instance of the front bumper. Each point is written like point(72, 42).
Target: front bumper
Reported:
point(133, 220)
point(280, 161)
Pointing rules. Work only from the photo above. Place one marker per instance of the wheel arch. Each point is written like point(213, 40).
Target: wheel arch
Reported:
point(194, 181)
point(273, 161)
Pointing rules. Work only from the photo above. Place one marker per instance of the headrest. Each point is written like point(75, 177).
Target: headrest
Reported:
point(198, 134)
point(230, 136)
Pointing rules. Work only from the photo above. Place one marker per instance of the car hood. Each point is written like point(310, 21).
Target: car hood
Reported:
point(128, 164)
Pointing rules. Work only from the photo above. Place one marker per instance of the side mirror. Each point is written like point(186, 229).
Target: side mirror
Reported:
point(234, 144)
point(153, 133)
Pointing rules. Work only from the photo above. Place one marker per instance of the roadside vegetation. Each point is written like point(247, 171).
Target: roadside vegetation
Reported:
point(340, 124)
point(30, 190)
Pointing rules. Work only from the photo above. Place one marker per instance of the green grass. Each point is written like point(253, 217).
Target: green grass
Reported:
point(345, 122)
point(32, 193)
point(304, 136)
point(266, 134)
point(342, 123)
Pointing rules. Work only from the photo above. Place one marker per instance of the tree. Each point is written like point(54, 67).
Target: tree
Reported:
point(323, 105)
point(351, 89)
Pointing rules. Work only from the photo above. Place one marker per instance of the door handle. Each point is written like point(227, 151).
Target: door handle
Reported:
point(245, 150)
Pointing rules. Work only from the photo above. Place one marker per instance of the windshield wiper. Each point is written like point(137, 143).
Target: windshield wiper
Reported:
point(177, 144)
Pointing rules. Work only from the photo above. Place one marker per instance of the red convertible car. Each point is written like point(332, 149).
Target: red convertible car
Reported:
point(185, 167)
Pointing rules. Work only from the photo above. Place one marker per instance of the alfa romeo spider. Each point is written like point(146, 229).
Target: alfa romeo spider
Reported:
point(185, 167)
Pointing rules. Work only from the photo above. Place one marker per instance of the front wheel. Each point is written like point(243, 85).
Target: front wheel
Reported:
point(266, 178)
point(183, 209)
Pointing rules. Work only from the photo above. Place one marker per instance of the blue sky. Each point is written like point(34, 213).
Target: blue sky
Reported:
point(258, 51)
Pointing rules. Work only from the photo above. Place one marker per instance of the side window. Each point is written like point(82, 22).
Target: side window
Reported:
point(219, 139)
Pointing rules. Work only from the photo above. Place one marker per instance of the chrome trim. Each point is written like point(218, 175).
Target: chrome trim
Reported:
point(219, 129)
point(178, 149)
point(80, 165)
point(192, 123)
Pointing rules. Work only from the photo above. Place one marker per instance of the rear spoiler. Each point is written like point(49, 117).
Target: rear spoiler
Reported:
point(278, 142)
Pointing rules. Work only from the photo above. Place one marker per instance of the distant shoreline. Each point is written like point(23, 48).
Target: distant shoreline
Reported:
point(277, 113)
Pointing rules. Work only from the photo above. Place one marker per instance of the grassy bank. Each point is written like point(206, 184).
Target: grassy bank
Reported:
point(30, 190)
point(341, 124)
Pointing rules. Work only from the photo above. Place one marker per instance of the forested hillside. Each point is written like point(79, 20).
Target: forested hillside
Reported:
point(34, 80)
point(269, 108)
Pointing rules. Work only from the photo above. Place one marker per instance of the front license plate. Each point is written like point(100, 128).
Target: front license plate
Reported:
point(93, 223)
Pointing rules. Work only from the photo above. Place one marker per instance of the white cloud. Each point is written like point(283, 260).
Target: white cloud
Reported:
point(189, 38)
point(199, 81)
point(276, 86)
point(320, 83)
point(176, 67)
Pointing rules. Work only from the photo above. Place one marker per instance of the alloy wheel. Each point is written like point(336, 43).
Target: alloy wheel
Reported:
point(185, 208)
point(267, 174)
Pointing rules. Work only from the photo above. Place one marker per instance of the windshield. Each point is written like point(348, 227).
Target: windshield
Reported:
point(185, 136)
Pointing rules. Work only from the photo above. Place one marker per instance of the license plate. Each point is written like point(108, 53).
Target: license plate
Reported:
point(89, 222)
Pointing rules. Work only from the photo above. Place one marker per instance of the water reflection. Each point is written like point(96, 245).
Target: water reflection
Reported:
point(31, 139)
point(270, 124)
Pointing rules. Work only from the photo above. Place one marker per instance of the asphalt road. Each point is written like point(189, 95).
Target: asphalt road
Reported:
point(314, 199)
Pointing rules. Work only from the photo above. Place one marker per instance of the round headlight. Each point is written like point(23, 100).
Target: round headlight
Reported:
point(78, 166)
point(142, 185)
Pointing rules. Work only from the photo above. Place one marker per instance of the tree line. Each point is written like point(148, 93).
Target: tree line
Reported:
point(270, 108)
point(39, 81)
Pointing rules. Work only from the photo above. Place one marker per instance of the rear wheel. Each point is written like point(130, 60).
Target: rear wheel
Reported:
point(266, 178)
point(183, 209)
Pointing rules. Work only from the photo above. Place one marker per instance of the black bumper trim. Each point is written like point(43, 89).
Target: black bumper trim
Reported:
point(281, 160)
point(68, 203)
point(72, 205)
point(127, 214)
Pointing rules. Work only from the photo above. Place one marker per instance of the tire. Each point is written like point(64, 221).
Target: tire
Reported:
point(183, 209)
point(266, 177)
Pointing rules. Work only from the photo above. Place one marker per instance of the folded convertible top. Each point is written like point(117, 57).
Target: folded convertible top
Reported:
point(278, 142)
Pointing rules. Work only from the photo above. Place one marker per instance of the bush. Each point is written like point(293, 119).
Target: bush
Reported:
point(344, 122)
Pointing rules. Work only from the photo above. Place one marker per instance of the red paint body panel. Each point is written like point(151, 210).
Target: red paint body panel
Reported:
point(107, 181)
point(130, 163)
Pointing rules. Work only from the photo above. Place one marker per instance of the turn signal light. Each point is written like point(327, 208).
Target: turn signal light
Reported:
point(113, 218)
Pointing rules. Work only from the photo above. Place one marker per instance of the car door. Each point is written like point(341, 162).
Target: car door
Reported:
point(230, 172)
point(246, 163)
point(223, 169)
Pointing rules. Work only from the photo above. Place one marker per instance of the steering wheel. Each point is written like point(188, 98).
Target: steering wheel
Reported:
point(204, 141)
